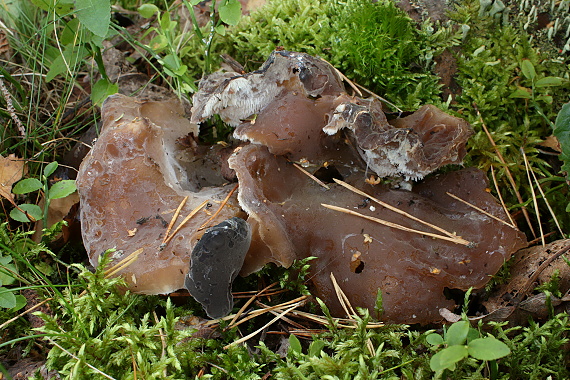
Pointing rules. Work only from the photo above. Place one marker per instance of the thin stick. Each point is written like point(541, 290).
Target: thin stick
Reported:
point(249, 302)
point(500, 196)
point(312, 176)
point(194, 212)
point(457, 240)
point(24, 313)
point(547, 203)
point(392, 208)
point(534, 200)
point(79, 360)
point(125, 262)
point(174, 217)
point(245, 338)
point(507, 171)
point(479, 209)
point(220, 208)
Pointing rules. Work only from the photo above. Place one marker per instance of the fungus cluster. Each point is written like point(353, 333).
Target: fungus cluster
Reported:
point(308, 148)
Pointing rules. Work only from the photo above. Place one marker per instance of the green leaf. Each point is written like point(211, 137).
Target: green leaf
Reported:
point(316, 347)
point(34, 211)
point(488, 349)
point(7, 299)
point(457, 333)
point(522, 93)
point(95, 15)
point(528, 69)
point(562, 133)
point(221, 30)
point(549, 82)
point(147, 10)
point(230, 12)
point(62, 189)
point(70, 58)
point(6, 277)
point(21, 301)
point(27, 186)
point(70, 32)
point(50, 168)
point(434, 339)
point(447, 357)
point(295, 344)
point(101, 90)
point(165, 21)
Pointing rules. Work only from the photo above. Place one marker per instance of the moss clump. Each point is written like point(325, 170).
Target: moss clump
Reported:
point(375, 44)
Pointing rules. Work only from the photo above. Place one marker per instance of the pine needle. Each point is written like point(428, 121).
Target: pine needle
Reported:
point(122, 264)
point(456, 240)
point(312, 176)
point(534, 200)
point(394, 209)
point(479, 209)
point(173, 220)
point(219, 208)
point(194, 212)
point(507, 171)
point(501, 197)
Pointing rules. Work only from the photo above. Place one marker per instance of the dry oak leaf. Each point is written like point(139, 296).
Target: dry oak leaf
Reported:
point(11, 171)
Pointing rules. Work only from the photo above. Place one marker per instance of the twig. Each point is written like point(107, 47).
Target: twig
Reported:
point(258, 312)
point(79, 360)
point(219, 208)
point(174, 217)
point(194, 212)
point(507, 171)
point(534, 200)
point(24, 313)
point(501, 197)
point(479, 209)
point(456, 240)
point(394, 209)
point(11, 109)
point(245, 338)
point(312, 176)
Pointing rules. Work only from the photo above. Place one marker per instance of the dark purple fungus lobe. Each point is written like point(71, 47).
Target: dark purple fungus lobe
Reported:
point(216, 261)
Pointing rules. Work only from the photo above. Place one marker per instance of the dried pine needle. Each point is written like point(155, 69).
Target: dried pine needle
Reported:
point(226, 199)
point(123, 263)
point(392, 208)
point(479, 209)
point(500, 196)
point(456, 240)
point(534, 200)
point(194, 212)
point(174, 217)
point(311, 176)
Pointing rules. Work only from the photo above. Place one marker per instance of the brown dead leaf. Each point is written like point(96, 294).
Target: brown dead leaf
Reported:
point(11, 171)
point(552, 143)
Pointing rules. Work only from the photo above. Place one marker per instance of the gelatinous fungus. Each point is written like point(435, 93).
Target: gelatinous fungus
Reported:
point(411, 269)
point(131, 183)
point(216, 261)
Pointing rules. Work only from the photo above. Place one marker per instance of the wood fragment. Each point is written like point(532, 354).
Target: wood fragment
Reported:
point(456, 240)
point(479, 209)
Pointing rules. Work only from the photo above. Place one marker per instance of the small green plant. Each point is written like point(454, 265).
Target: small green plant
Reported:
point(461, 341)
point(561, 129)
point(31, 212)
point(8, 274)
